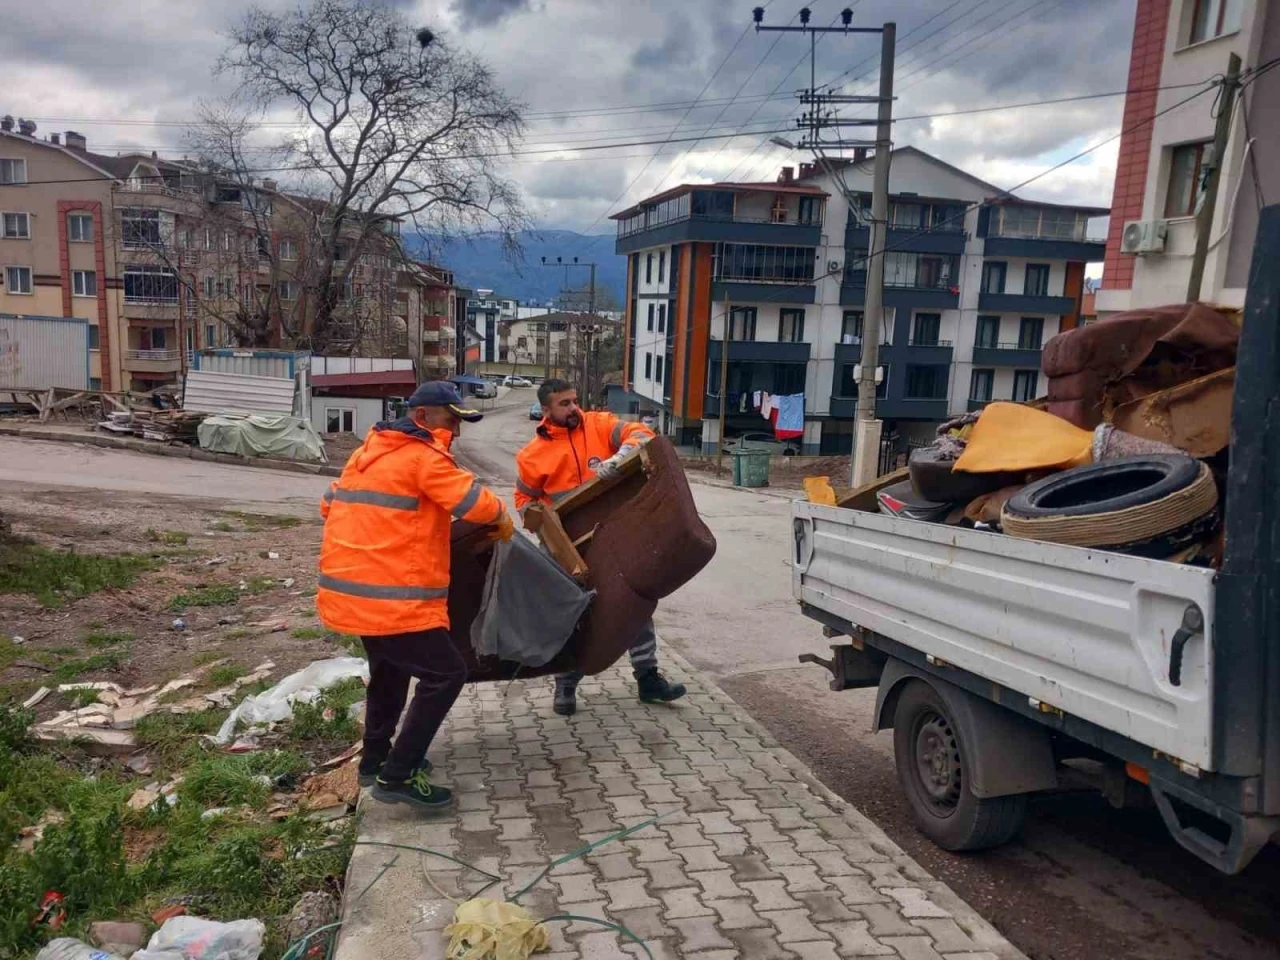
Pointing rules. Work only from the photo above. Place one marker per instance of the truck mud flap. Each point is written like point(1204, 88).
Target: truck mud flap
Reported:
point(1248, 834)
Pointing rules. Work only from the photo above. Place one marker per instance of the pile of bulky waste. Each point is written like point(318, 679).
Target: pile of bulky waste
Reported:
point(1128, 453)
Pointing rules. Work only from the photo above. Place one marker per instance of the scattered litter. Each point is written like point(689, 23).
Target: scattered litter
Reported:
point(126, 718)
point(170, 789)
point(51, 912)
point(216, 561)
point(19, 641)
point(229, 619)
point(342, 784)
point(101, 742)
point(180, 684)
point(179, 623)
point(66, 948)
point(36, 698)
point(191, 938)
point(96, 685)
point(353, 751)
point(142, 691)
point(215, 812)
point(495, 928)
point(272, 555)
point(287, 582)
point(166, 913)
point(245, 744)
point(143, 798)
point(28, 837)
point(276, 704)
point(271, 626)
point(118, 937)
point(140, 764)
point(316, 909)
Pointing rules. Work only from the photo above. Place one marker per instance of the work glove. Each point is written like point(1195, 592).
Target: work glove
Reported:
point(504, 528)
point(609, 468)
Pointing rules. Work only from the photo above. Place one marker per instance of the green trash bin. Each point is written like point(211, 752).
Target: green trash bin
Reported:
point(751, 468)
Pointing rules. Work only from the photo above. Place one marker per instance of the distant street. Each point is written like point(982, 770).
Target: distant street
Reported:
point(1084, 881)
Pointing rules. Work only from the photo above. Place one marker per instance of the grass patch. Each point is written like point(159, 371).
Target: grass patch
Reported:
point(310, 721)
point(83, 698)
point(207, 657)
point(70, 670)
point(171, 737)
point(219, 595)
point(264, 521)
point(240, 633)
point(309, 633)
point(228, 780)
point(173, 538)
point(353, 644)
point(225, 674)
point(222, 527)
point(108, 638)
point(54, 577)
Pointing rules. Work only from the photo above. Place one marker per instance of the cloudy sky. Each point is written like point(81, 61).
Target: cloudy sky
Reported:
point(595, 71)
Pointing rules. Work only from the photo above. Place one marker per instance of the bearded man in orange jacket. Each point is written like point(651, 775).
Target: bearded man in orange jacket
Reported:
point(571, 446)
point(384, 576)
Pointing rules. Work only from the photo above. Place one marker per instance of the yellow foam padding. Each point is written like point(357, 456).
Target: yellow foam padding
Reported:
point(1011, 436)
point(494, 930)
point(818, 490)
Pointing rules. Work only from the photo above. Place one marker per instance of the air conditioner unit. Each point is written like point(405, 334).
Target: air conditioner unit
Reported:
point(833, 266)
point(1144, 236)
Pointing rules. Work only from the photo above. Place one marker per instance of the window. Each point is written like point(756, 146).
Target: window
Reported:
point(649, 325)
point(1024, 384)
point(210, 288)
point(264, 247)
point(248, 294)
point(1214, 18)
point(288, 290)
point(13, 171)
point(17, 279)
point(742, 323)
point(153, 338)
point(84, 283)
point(210, 335)
point(913, 270)
point(288, 250)
point(988, 335)
point(662, 318)
point(95, 383)
point(648, 268)
point(339, 420)
point(140, 228)
point(648, 366)
point(980, 384)
point(791, 326)
point(80, 228)
point(229, 288)
point(851, 327)
point(1030, 330)
point(208, 238)
point(94, 342)
point(17, 226)
point(768, 264)
point(340, 253)
point(1037, 281)
point(906, 215)
point(658, 368)
point(925, 328)
point(1188, 177)
point(150, 285)
point(228, 240)
point(809, 209)
point(927, 382)
point(662, 266)
point(993, 273)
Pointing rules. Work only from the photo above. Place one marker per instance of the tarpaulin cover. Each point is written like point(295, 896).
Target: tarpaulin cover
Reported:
point(286, 438)
point(1010, 436)
point(530, 605)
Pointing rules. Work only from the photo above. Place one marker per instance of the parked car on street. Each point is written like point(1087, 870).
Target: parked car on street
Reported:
point(535, 411)
point(485, 391)
point(763, 443)
point(512, 381)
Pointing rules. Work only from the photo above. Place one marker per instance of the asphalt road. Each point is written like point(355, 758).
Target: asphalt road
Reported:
point(1084, 880)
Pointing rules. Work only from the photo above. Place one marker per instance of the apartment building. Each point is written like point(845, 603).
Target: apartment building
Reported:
point(976, 281)
point(428, 309)
point(487, 314)
point(162, 258)
point(1166, 149)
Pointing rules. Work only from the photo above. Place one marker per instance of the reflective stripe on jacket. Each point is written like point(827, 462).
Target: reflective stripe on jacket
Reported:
point(557, 461)
point(384, 559)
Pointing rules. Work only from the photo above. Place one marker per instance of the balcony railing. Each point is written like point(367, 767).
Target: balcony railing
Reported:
point(1006, 345)
point(929, 342)
point(152, 354)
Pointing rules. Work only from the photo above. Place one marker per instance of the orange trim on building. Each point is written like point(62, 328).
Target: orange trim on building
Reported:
point(1146, 62)
point(628, 320)
point(683, 270)
point(94, 209)
point(1073, 287)
point(701, 326)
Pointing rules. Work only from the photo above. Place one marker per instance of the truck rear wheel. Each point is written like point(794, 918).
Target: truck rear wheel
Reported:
point(934, 774)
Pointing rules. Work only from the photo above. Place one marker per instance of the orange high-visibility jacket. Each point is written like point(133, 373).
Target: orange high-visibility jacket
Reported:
point(384, 559)
point(557, 461)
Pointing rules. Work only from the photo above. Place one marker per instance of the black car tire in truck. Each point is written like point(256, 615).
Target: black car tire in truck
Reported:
point(933, 773)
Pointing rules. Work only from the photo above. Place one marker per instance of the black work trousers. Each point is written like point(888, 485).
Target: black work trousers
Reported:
point(431, 657)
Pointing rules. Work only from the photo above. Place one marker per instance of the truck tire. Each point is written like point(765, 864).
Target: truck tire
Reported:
point(933, 773)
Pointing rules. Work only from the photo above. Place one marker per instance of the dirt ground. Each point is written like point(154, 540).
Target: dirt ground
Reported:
point(240, 583)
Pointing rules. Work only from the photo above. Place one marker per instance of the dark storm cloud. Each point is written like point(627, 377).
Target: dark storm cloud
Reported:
point(485, 13)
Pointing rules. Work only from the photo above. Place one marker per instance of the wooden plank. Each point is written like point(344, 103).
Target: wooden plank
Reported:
point(546, 524)
point(112, 743)
point(864, 497)
point(583, 540)
point(46, 406)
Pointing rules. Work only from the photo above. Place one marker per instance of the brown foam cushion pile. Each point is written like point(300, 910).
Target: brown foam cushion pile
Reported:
point(649, 541)
point(1131, 355)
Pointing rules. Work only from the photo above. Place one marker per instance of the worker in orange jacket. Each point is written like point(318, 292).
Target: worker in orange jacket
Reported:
point(570, 447)
point(384, 576)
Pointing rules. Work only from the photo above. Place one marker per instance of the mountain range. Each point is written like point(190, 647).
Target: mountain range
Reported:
point(479, 262)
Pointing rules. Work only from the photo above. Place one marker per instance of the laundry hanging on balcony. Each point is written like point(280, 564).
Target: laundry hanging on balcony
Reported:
point(788, 416)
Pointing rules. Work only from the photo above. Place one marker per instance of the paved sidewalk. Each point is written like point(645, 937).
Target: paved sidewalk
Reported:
point(754, 858)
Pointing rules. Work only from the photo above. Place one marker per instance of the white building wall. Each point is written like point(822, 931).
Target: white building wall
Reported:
point(653, 286)
point(365, 412)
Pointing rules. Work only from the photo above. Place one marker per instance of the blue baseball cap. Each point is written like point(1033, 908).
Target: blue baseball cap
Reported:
point(442, 393)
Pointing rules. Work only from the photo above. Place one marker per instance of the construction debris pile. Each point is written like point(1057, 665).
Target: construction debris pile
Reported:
point(1128, 453)
point(166, 426)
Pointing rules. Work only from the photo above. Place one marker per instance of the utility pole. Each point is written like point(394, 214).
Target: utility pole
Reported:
point(724, 385)
point(1204, 216)
point(866, 439)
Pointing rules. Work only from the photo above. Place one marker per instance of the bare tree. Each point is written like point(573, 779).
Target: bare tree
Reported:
point(396, 127)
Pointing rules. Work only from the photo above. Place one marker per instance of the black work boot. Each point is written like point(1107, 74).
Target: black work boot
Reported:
point(371, 766)
point(566, 699)
point(418, 791)
point(655, 688)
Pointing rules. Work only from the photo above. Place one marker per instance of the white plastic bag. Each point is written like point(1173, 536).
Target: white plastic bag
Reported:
point(67, 948)
point(276, 704)
point(190, 938)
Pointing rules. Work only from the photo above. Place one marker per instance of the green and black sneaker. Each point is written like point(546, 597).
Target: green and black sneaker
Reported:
point(417, 791)
point(370, 767)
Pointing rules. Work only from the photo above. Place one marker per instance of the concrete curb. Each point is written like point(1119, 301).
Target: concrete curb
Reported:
point(974, 924)
point(153, 448)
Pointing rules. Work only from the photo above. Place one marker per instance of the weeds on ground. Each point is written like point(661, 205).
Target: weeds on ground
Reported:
point(173, 737)
point(228, 780)
point(83, 698)
point(56, 576)
point(108, 638)
point(309, 633)
point(173, 538)
point(225, 674)
point(309, 719)
point(353, 644)
point(256, 522)
point(222, 527)
point(207, 657)
point(70, 670)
